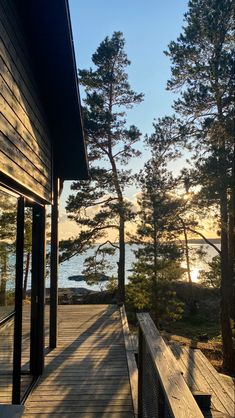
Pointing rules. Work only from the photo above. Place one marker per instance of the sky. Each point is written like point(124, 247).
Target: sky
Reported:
point(148, 27)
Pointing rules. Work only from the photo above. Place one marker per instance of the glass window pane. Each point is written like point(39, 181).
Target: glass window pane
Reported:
point(8, 214)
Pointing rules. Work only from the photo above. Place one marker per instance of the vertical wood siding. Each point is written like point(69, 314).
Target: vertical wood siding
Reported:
point(25, 146)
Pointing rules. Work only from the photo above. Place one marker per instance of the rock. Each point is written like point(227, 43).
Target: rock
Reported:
point(81, 278)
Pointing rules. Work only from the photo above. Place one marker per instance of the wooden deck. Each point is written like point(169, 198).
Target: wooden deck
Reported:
point(92, 373)
point(87, 374)
point(6, 356)
point(201, 376)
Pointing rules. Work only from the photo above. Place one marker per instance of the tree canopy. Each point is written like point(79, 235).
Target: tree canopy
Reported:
point(111, 144)
point(203, 73)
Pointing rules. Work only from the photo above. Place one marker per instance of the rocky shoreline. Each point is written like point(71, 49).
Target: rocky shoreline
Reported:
point(79, 295)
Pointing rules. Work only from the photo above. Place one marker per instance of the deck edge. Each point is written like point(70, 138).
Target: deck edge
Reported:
point(131, 362)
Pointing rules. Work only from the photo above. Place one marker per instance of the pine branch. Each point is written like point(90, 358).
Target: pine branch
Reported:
point(110, 199)
point(89, 236)
point(205, 239)
point(107, 242)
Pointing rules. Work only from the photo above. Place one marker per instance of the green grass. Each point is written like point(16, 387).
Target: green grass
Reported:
point(194, 326)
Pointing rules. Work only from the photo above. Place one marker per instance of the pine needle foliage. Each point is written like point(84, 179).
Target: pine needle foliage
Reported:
point(100, 206)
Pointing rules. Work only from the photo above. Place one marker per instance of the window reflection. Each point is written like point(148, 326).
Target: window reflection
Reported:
point(8, 213)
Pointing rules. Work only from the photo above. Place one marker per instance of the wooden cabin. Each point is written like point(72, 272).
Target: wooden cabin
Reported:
point(90, 370)
point(41, 145)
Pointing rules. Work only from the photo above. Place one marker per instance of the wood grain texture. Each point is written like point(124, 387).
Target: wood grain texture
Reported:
point(87, 374)
point(131, 362)
point(6, 356)
point(177, 394)
point(20, 90)
point(25, 142)
point(14, 171)
point(8, 133)
point(11, 31)
point(201, 376)
point(19, 115)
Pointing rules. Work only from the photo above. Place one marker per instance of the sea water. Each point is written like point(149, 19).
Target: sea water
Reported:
point(74, 266)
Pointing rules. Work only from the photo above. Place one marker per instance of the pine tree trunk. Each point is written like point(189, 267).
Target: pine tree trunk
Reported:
point(231, 238)
point(225, 290)
point(3, 292)
point(121, 263)
point(26, 275)
point(231, 255)
point(155, 247)
point(226, 287)
point(191, 302)
point(155, 283)
point(3, 283)
point(187, 256)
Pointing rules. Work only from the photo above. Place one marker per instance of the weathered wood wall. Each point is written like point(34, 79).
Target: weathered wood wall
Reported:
point(25, 145)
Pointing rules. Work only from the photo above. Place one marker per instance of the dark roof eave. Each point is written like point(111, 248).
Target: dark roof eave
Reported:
point(48, 30)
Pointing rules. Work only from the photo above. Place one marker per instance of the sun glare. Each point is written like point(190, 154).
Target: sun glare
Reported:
point(195, 274)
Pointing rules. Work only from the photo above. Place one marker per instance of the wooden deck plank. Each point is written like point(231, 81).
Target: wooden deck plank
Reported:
point(81, 415)
point(199, 374)
point(87, 374)
point(88, 365)
point(6, 356)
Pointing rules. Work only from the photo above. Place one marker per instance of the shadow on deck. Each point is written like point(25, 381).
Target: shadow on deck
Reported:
point(92, 373)
point(87, 374)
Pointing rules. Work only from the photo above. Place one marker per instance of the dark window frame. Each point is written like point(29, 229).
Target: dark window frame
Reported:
point(10, 192)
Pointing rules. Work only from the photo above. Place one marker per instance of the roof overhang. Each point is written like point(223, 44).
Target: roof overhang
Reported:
point(48, 31)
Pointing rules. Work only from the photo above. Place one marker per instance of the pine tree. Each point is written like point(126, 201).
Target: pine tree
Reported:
point(27, 247)
point(158, 229)
point(8, 215)
point(100, 205)
point(158, 255)
point(203, 71)
point(7, 242)
point(212, 277)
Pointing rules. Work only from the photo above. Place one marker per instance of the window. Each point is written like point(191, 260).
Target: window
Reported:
point(8, 214)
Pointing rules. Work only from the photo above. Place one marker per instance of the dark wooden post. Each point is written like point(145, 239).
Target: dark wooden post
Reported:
point(54, 265)
point(38, 291)
point(140, 374)
point(16, 388)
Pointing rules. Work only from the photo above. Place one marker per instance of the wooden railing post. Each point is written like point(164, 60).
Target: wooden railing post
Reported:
point(167, 392)
point(140, 374)
point(131, 361)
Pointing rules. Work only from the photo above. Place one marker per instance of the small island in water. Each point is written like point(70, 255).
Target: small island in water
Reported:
point(81, 278)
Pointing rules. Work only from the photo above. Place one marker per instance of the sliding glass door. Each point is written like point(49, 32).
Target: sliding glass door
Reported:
point(22, 264)
point(8, 231)
point(8, 214)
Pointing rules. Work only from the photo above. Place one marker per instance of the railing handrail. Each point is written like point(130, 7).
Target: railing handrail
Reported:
point(131, 362)
point(177, 394)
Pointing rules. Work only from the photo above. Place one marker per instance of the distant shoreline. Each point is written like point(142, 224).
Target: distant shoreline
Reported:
point(193, 241)
point(201, 241)
point(190, 241)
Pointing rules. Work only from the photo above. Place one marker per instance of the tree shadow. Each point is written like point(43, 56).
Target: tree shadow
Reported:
point(202, 378)
point(89, 375)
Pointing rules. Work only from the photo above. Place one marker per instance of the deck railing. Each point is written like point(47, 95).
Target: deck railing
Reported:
point(162, 391)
